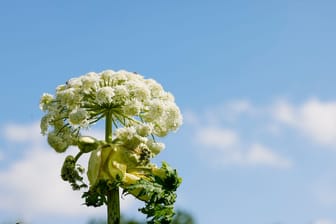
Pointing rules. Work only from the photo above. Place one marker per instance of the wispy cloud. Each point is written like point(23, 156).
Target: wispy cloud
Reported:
point(314, 118)
point(217, 137)
point(28, 133)
point(32, 187)
point(324, 221)
point(259, 154)
point(229, 149)
point(222, 127)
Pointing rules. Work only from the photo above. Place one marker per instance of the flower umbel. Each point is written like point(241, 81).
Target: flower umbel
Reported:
point(133, 100)
point(136, 110)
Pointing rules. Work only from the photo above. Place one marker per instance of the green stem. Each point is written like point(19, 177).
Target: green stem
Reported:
point(113, 204)
point(78, 155)
point(108, 127)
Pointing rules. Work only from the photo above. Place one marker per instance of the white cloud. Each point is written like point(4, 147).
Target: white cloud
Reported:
point(36, 178)
point(261, 155)
point(212, 132)
point(23, 133)
point(217, 137)
point(314, 118)
point(31, 186)
point(318, 119)
point(323, 221)
point(283, 112)
point(235, 152)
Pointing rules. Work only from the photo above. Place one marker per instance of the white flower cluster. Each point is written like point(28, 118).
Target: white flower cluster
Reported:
point(135, 136)
point(132, 100)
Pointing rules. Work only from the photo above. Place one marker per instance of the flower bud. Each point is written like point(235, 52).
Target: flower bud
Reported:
point(155, 147)
point(57, 142)
point(87, 144)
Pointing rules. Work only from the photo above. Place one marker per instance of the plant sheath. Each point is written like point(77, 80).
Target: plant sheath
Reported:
point(113, 203)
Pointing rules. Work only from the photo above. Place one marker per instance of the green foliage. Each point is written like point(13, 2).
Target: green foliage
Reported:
point(159, 194)
point(157, 190)
point(181, 217)
point(122, 221)
point(96, 195)
point(72, 173)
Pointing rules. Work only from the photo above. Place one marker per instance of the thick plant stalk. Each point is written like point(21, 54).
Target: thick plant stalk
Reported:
point(113, 203)
point(113, 207)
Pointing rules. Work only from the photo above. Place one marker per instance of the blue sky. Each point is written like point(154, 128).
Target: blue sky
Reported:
point(255, 81)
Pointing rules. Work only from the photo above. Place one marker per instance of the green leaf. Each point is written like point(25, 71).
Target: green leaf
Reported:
point(158, 192)
point(72, 173)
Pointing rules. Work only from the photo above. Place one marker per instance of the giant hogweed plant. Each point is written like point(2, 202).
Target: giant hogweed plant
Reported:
point(136, 111)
